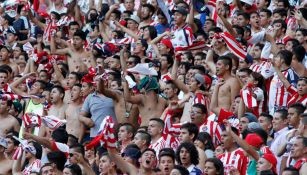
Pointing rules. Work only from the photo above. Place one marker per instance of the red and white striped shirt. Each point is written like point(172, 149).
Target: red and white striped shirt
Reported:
point(278, 94)
point(212, 128)
point(235, 159)
point(165, 141)
point(183, 36)
point(33, 167)
point(295, 97)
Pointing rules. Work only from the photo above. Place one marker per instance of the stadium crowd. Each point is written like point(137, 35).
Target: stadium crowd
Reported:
point(164, 87)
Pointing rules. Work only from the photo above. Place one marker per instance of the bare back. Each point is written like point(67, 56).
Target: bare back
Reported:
point(6, 167)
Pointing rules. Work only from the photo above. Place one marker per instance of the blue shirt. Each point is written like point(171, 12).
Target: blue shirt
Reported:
point(98, 107)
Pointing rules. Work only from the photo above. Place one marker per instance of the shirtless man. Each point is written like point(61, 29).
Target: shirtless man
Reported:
point(231, 87)
point(58, 107)
point(75, 52)
point(73, 110)
point(5, 164)
point(150, 104)
point(9, 123)
point(4, 78)
point(5, 54)
point(125, 112)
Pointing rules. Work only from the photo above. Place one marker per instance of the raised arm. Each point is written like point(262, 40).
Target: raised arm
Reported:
point(179, 84)
point(56, 51)
point(58, 73)
point(108, 92)
point(14, 85)
point(242, 143)
point(135, 99)
point(210, 62)
point(36, 21)
point(126, 30)
point(226, 23)
point(121, 163)
point(190, 19)
point(44, 141)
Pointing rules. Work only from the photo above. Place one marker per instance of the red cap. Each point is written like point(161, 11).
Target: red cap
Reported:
point(254, 140)
point(208, 80)
point(272, 159)
point(167, 43)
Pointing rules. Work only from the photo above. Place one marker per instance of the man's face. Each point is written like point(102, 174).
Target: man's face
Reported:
point(185, 136)
point(154, 128)
point(242, 21)
point(265, 123)
point(75, 93)
point(220, 68)
point(243, 124)
point(235, 105)
point(104, 165)
point(72, 79)
point(166, 164)
point(47, 170)
point(11, 38)
point(243, 76)
point(185, 156)
point(300, 37)
point(114, 63)
point(86, 89)
point(278, 122)
point(77, 42)
point(148, 160)
point(73, 29)
point(35, 89)
point(208, 25)
point(298, 149)
point(301, 87)
point(179, 18)
point(10, 146)
point(256, 52)
point(72, 157)
point(132, 25)
point(255, 20)
point(4, 54)
point(129, 4)
point(123, 134)
point(193, 85)
point(55, 96)
point(138, 140)
point(276, 16)
point(3, 79)
point(226, 140)
point(138, 48)
point(169, 91)
point(264, 19)
point(43, 76)
point(293, 117)
point(197, 117)
point(145, 13)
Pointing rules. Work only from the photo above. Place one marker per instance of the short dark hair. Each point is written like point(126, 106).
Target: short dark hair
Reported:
point(304, 140)
point(158, 120)
point(299, 53)
point(80, 34)
point(244, 14)
point(181, 169)
point(191, 148)
point(299, 108)
point(200, 106)
point(73, 23)
point(58, 158)
point(78, 148)
point(150, 7)
point(152, 31)
point(149, 149)
point(282, 22)
point(246, 70)
point(60, 89)
point(267, 11)
point(145, 136)
point(281, 12)
point(129, 127)
point(192, 129)
point(60, 135)
point(168, 154)
point(283, 113)
point(267, 115)
point(286, 56)
point(226, 60)
point(74, 168)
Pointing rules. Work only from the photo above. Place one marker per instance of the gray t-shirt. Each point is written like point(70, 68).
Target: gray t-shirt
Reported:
point(98, 106)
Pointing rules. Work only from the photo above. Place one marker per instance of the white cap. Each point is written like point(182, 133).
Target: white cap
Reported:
point(134, 18)
point(250, 2)
point(3, 142)
point(143, 69)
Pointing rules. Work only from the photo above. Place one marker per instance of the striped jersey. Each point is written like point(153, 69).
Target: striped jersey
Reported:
point(33, 167)
point(295, 97)
point(183, 36)
point(165, 141)
point(278, 94)
point(212, 128)
point(235, 159)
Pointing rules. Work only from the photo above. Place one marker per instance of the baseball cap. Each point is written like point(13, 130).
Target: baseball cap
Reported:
point(135, 18)
point(11, 30)
point(254, 140)
point(3, 142)
point(251, 117)
point(181, 10)
point(132, 153)
point(167, 43)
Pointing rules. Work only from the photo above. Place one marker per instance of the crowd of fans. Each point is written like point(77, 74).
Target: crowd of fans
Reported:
point(170, 87)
